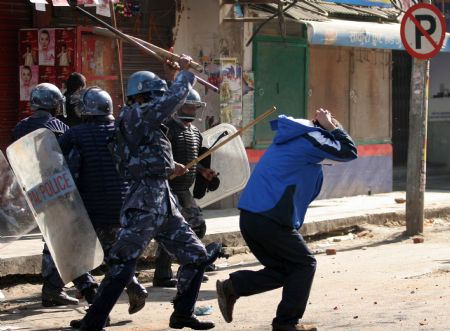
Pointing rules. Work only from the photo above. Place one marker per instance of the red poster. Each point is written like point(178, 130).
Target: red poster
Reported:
point(28, 47)
point(46, 38)
point(28, 78)
point(65, 47)
point(62, 73)
point(47, 74)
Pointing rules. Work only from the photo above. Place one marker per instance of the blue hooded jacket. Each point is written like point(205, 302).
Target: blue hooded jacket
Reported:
point(289, 175)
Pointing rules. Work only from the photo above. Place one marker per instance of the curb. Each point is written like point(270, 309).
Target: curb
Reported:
point(31, 264)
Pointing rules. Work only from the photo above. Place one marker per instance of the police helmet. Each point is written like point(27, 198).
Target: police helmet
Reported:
point(92, 101)
point(47, 96)
point(145, 82)
point(192, 99)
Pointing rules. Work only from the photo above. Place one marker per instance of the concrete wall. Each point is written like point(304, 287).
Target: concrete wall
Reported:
point(200, 34)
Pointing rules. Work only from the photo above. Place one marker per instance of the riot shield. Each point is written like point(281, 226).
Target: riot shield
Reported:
point(42, 172)
point(230, 161)
point(16, 217)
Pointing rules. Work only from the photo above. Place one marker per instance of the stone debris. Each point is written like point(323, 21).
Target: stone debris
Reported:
point(418, 240)
point(330, 251)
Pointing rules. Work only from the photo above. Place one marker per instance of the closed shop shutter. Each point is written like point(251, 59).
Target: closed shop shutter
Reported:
point(14, 15)
point(153, 23)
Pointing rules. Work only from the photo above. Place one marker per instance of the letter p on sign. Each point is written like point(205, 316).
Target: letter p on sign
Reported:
point(423, 31)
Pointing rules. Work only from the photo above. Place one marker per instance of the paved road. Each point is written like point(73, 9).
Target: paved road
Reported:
point(378, 280)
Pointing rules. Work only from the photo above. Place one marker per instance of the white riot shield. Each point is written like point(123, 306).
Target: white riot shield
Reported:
point(230, 161)
point(16, 217)
point(42, 172)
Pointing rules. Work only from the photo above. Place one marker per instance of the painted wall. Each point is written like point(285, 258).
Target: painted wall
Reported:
point(200, 33)
point(371, 173)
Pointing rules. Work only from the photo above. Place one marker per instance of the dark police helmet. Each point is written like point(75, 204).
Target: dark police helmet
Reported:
point(92, 101)
point(193, 98)
point(48, 97)
point(145, 82)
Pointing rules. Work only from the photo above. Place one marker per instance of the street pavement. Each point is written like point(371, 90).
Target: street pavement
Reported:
point(379, 280)
point(23, 257)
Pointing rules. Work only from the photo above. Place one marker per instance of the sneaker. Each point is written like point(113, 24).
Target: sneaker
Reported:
point(226, 298)
point(56, 297)
point(170, 282)
point(137, 295)
point(182, 321)
point(293, 327)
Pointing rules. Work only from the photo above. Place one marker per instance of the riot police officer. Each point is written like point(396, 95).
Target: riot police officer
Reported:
point(186, 141)
point(46, 102)
point(144, 157)
point(101, 187)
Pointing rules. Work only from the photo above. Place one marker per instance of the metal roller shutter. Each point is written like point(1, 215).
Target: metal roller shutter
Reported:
point(14, 15)
point(154, 24)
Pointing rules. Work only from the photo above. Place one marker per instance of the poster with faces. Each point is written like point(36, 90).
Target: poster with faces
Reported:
point(62, 73)
point(65, 47)
point(28, 47)
point(47, 74)
point(28, 78)
point(46, 40)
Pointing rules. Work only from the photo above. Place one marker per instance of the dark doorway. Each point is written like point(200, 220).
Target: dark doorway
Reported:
point(401, 92)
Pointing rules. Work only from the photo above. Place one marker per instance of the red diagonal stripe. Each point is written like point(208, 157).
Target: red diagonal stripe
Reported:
point(420, 27)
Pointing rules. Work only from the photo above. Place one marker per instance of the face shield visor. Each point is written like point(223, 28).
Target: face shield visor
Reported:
point(191, 111)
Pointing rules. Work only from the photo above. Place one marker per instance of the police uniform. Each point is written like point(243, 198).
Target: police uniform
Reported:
point(43, 119)
point(186, 142)
point(149, 210)
point(100, 186)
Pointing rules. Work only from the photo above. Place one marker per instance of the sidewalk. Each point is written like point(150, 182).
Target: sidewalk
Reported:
point(24, 256)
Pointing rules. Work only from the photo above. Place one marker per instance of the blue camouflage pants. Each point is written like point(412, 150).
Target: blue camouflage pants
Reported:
point(139, 227)
point(107, 235)
point(194, 217)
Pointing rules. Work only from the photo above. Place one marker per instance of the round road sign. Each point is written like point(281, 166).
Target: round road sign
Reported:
point(423, 31)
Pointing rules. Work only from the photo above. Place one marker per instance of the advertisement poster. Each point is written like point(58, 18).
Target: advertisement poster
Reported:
point(28, 78)
point(46, 38)
point(47, 74)
point(62, 73)
point(248, 87)
point(97, 56)
point(230, 92)
point(28, 47)
point(65, 47)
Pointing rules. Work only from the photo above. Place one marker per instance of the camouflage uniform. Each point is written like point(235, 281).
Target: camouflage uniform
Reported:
point(149, 210)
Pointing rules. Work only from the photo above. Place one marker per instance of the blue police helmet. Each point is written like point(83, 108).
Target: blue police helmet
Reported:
point(92, 101)
point(48, 97)
point(145, 82)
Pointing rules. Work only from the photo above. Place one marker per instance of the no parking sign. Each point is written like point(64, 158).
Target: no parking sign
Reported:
point(423, 31)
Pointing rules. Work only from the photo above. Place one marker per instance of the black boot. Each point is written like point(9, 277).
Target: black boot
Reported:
point(89, 294)
point(137, 295)
point(226, 296)
point(183, 321)
point(52, 297)
point(77, 324)
point(169, 282)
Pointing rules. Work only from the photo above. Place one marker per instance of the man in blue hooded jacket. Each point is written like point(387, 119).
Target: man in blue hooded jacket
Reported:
point(273, 206)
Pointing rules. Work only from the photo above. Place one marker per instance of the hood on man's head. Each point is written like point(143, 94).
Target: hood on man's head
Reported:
point(288, 128)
